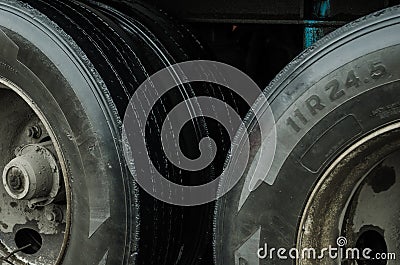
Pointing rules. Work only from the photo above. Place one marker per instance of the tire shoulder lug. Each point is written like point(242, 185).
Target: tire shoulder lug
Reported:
point(8, 49)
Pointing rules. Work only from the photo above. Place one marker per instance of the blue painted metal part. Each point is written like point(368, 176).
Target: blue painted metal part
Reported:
point(311, 35)
point(324, 8)
point(314, 33)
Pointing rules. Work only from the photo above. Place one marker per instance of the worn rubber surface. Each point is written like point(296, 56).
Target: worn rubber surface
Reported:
point(80, 62)
point(339, 90)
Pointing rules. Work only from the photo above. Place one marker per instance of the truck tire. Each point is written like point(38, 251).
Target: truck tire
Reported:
point(67, 72)
point(333, 179)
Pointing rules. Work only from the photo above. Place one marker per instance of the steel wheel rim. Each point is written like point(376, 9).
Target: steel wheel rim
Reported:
point(57, 211)
point(348, 199)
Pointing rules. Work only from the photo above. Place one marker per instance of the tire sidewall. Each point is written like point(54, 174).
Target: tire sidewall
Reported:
point(275, 210)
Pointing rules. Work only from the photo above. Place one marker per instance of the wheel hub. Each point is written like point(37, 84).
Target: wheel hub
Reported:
point(32, 174)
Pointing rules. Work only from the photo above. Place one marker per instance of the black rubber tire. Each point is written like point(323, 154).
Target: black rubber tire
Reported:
point(339, 90)
point(49, 67)
point(80, 63)
point(168, 230)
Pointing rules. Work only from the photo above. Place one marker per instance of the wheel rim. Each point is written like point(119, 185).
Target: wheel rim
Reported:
point(35, 205)
point(356, 200)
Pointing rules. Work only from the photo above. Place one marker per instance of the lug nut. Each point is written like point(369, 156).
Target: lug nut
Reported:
point(55, 215)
